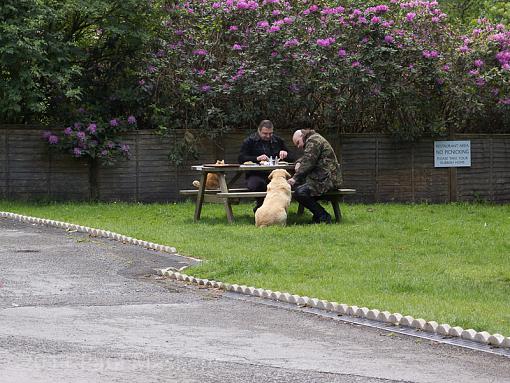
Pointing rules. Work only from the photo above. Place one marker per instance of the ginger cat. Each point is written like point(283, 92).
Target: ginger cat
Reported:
point(212, 181)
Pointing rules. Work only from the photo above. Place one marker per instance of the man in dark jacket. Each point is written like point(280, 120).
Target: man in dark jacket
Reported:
point(317, 172)
point(258, 147)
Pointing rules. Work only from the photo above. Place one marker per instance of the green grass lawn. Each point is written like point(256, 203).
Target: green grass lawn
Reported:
point(448, 263)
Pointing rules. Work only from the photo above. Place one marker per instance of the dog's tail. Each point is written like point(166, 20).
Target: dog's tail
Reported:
point(196, 183)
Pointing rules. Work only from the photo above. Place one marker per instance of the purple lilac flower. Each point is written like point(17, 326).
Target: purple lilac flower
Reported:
point(141, 82)
point(263, 24)
point(77, 152)
point(233, 28)
point(114, 122)
point(52, 139)
point(473, 72)
point(104, 153)
point(179, 32)
point(464, 49)
point(288, 20)
point(389, 39)
point(80, 135)
point(478, 63)
point(355, 64)
point(131, 120)
point(274, 28)
point(410, 16)
point(504, 101)
point(342, 53)
point(237, 47)
point(216, 5)
point(375, 20)
point(276, 12)
point(205, 88)
point(446, 68)
point(68, 131)
point(124, 148)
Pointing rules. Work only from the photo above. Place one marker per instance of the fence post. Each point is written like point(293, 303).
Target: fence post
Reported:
point(93, 166)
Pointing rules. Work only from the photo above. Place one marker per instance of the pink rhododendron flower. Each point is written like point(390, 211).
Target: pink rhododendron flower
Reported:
point(200, 52)
point(410, 16)
point(325, 42)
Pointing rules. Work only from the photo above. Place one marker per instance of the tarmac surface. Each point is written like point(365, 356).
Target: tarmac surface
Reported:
point(74, 308)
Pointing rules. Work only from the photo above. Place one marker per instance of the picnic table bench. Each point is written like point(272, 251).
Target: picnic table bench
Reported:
point(227, 195)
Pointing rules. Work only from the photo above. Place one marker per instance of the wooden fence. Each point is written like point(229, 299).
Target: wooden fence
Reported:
point(381, 169)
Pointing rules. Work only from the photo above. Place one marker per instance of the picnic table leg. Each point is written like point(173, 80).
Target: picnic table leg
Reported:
point(336, 209)
point(226, 201)
point(200, 197)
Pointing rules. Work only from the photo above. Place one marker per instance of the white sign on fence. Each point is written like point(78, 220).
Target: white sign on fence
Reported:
point(452, 154)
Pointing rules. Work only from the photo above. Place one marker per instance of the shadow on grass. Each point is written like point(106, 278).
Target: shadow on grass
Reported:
point(249, 220)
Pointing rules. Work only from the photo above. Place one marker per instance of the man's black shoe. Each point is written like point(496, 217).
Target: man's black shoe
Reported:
point(323, 218)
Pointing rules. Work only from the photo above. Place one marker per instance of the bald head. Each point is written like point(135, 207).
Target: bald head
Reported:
point(297, 138)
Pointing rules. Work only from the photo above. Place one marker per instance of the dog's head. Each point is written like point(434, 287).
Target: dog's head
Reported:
point(279, 173)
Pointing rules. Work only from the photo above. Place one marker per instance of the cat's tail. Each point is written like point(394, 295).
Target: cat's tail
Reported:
point(196, 184)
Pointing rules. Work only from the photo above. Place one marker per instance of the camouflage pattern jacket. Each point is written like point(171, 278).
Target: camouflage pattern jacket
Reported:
point(319, 167)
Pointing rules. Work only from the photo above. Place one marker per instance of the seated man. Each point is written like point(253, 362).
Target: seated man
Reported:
point(317, 172)
point(260, 146)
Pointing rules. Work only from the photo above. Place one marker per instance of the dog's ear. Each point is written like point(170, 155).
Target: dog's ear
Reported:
point(270, 176)
point(287, 174)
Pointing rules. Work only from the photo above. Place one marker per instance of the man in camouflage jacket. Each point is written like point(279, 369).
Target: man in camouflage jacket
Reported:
point(317, 172)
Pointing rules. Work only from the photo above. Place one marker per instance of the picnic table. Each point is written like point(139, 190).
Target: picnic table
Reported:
point(226, 193)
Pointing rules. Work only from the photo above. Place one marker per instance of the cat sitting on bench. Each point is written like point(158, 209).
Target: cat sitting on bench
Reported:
point(212, 180)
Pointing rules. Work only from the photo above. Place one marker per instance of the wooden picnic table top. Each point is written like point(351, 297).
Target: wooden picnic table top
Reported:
point(230, 168)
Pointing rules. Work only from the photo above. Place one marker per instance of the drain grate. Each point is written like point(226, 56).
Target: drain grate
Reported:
point(27, 251)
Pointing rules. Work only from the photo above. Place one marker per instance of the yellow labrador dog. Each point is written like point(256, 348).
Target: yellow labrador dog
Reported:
point(274, 209)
